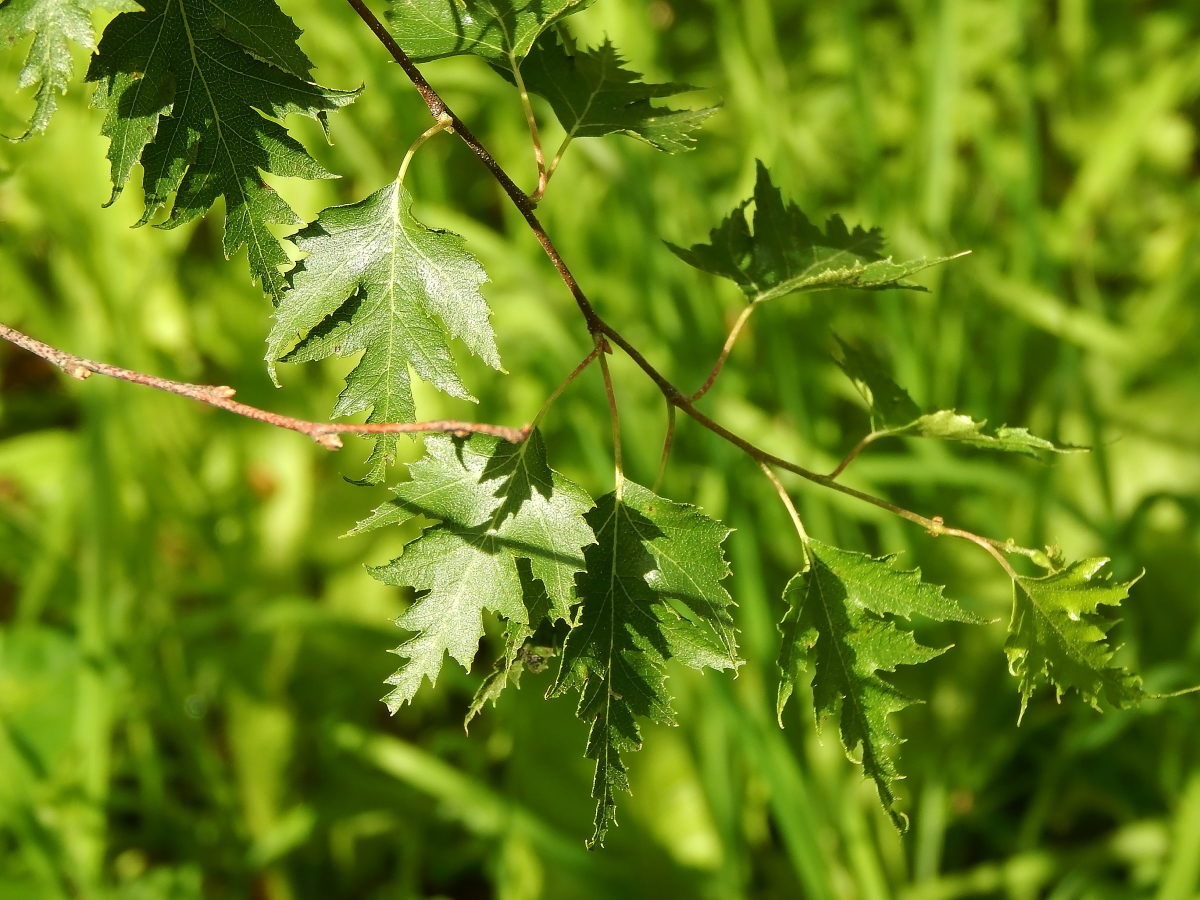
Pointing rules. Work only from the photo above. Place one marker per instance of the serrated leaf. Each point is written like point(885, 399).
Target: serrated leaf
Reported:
point(189, 86)
point(787, 253)
point(498, 30)
point(893, 412)
point(1056, 638)
point(55, 24)
point(377, 281)
point(890, 404)
point(520, 651)
point(651, 592)
point(498, 504)
point(592, 95)
point(839, 625)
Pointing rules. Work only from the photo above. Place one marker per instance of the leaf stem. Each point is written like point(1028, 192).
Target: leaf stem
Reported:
point(601, 330)
point(531, 121)
point(575, 373)
point(324, 433)
point(437, 108)
point(444, 123)
point(553, 167)
point(787, 502)
point(612, 410)
point(725, 351)
point(858, 448)
point(668, 440)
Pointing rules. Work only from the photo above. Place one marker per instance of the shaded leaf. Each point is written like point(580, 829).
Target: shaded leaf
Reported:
point(838, 625)
point(592, 95)
point(890, 404)
point(55, 24)
point(498, 30)
point(520, 649)
point(189, 87)
point(787, 253)
point(377, 281)
point(1056, 638)
point(893, 412)
point(472, 560)
point(651, 592)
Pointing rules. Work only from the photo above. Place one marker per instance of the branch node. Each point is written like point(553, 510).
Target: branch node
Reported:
point(81, 373)
point(223, 391)
point(328, 441)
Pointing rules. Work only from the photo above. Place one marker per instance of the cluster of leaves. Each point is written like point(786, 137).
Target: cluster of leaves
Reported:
point(618, 586)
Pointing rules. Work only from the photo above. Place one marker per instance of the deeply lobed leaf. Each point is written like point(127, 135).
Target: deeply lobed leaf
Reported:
point(839, 625)
point(498, 30)
point(787, 253)
point(1056, 638)
point(378, 282)
point(55, 24)
point(509, 541)
point(651, 592)
point(592, 94)
point(893, 412)
point(189, 86)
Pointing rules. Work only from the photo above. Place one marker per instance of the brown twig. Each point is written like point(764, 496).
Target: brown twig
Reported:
point(600, 329)
point(324, 433)
point(438, 108)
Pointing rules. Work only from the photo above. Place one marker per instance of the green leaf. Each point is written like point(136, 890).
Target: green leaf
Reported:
point(521, 651)
point(1056, 638)
point(379, 282)
point(651, 592)
point(498, 504)
point(893, 412)
point(838, 625)
point(787, 253)
point(890, 405)
point(193, 94)
point(498, 30)
point(48, 64)
point(593, 95)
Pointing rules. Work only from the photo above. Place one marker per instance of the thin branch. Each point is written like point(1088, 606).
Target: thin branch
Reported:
point(324, 433)
point(668, 440)
point(600, 329)
point(438, 108)
point(725, 351)
point(853, 454)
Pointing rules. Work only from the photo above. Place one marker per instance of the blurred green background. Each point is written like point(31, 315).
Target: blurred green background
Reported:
point(191, 661)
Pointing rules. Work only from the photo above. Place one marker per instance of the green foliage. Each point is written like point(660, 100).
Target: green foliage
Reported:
point(189, 661)
point(501, 31)
point(651, 592)
point(189, 87)
point(893, 412)
point(838, 626)
point(498, 504)
point(787, 254)
point(1056, 638)
point(377, 281)
point(593, 94)
point(54, 24)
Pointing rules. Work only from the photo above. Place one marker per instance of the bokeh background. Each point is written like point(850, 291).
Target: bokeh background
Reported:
point(191, 660)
